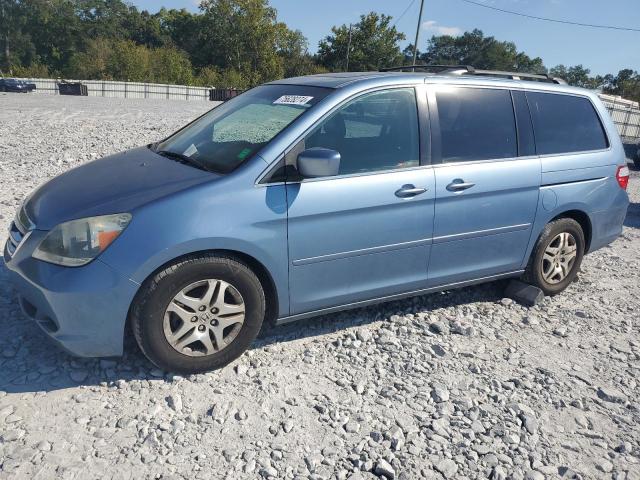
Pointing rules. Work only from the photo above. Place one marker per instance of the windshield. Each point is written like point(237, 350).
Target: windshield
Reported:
point(233, 132)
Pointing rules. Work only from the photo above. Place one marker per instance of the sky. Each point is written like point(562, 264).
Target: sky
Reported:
point(602, 51)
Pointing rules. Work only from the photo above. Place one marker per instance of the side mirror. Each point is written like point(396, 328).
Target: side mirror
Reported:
point(318, 162)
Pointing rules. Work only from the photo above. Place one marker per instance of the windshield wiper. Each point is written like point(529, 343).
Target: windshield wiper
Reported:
point(182, 159)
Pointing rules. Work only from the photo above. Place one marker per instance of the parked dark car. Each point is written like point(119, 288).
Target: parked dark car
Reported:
point(13, 85)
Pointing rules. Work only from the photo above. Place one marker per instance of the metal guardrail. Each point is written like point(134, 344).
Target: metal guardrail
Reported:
point(625, 113)
point(113, 89)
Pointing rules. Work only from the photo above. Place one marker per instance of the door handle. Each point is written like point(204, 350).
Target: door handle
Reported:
point(408, 191)
point(459, 185)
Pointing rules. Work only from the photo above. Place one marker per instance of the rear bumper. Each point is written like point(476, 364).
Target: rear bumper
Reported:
point(84, 309)
point(607, 225)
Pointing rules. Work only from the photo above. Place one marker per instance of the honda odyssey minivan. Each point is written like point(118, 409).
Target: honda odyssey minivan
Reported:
point(310, 195)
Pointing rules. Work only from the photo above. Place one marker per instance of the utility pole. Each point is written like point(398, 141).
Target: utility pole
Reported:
point(348, 47)
point(415, 45)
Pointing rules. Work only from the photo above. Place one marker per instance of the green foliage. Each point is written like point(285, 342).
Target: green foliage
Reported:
point(233, 44)
point(626, 84)
point(473, 48)
point(236, 43)
point(374, 45)
point(125, 60)
point(35, 70)
point(170, 65)
point(577, 76)
point(94, 62)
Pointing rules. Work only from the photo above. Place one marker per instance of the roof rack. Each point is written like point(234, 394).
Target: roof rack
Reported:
point(469, 70)
point(430, 67)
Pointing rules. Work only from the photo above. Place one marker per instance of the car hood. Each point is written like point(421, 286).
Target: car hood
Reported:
point(115, 184)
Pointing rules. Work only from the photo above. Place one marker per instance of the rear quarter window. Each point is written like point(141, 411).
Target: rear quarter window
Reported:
point(565, 124)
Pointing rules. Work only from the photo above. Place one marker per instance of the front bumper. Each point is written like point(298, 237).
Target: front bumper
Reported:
point(83, 309)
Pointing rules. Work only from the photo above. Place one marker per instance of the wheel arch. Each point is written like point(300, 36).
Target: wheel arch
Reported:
point(583, 220)
point(263, 274)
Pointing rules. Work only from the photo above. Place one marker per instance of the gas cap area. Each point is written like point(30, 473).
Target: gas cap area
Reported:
point(549, 200)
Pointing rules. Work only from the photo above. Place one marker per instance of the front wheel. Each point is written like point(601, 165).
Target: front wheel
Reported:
point(557, 256)
point(198, 314)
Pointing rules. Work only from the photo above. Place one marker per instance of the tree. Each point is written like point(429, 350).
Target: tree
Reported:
point(626, 84)
point(578, 76)
point(54, 30)
point(233, 43)
point(374, 45)
point(129, 62)
point(170, 65)
point(185, 31)
point(293, 50)
point(473, 48)
point(94, 62)
point(244, 36)
point(16, 46)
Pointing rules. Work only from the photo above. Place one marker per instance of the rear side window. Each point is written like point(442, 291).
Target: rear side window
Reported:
point(565, 123)
point(476, 124)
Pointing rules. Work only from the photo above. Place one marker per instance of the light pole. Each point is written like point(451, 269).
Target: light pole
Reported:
point(415, 45)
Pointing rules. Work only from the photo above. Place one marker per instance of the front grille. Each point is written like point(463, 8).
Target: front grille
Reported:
point(17, 231)
point(22, 220)
point(15, 238)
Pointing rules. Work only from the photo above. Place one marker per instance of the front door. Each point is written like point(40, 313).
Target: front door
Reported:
point(487, 183)
point(365, 233)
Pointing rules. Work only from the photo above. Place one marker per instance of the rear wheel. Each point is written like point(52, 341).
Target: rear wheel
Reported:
point(198, 314)
point(557, 256)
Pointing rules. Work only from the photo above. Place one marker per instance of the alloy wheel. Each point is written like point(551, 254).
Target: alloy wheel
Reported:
point(559, 258)
point(204, 317)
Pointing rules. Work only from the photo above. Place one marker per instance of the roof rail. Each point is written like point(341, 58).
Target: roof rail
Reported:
point(439, 68)
point(469, 70)
point(540, 77)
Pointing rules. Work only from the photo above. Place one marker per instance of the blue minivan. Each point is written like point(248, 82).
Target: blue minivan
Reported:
point(309, 195)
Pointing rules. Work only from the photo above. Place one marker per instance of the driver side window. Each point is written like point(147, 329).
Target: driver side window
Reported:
point(375, 131)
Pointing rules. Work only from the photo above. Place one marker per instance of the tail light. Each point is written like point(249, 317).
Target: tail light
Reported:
point(622, 175)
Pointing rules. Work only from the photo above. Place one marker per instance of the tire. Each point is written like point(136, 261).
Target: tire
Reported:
point(542, 272)
point(157, 313)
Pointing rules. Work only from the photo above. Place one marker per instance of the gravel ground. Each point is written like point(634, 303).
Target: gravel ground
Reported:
point(462, 384)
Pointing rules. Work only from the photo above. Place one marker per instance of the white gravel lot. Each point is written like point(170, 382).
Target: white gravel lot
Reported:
point(462, 384)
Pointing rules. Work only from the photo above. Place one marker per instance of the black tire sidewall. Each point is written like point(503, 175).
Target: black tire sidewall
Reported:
point(149, 316)
point(550, 232)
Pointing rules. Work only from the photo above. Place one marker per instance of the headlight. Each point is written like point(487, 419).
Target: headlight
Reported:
point(77, 242)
